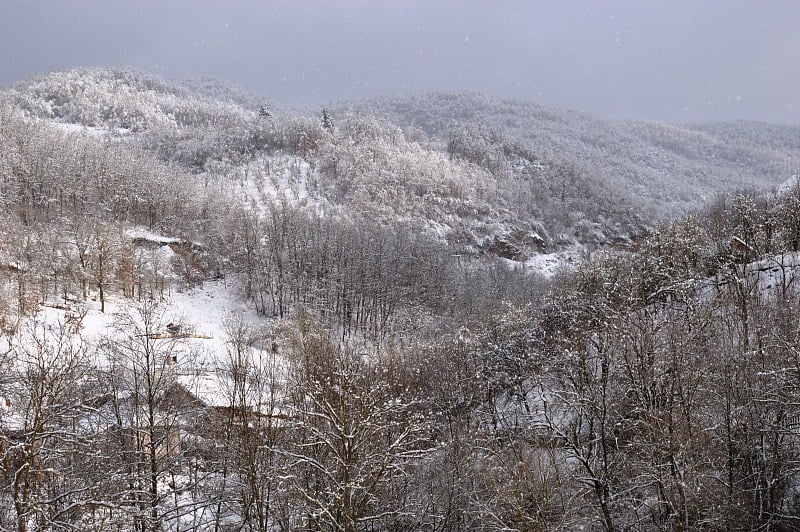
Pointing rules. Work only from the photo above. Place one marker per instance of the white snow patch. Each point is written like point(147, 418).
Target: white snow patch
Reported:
point(92, 131)
point(770, 276)
point(548, 264)
point(149, 236)
point(207, 309)
point(202, 312)
point(788, 185)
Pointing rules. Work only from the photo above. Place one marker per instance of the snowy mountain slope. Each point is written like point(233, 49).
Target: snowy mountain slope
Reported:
point(117, 98)
point(484, 176)
point(365, 166)
point(666, 168)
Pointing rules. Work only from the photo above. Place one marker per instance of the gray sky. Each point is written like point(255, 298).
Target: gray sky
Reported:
point(670, 60)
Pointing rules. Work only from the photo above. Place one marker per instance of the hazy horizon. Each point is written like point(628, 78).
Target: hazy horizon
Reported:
point(676, 61)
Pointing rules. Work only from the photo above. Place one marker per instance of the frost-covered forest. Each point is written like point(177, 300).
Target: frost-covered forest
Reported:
point(438, 312)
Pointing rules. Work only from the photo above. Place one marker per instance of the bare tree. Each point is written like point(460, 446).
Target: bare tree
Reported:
point(356, 434)
point(144, 411)
point(46, 446)
point(253, 427)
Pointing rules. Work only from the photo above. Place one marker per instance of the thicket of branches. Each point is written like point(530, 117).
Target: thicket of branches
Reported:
point(653, 390)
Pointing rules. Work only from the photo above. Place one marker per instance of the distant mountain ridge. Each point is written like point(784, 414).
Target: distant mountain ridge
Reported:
point(668, 169)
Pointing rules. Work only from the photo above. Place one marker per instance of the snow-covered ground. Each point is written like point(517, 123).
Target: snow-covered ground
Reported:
point(203, 313)
point(548, 264)
point(788, 185)
point(770, 276)
point(776, 274)
point(98, 132)
point(146, 235)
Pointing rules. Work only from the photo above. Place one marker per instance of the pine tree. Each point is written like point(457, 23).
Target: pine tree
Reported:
point(327, 121)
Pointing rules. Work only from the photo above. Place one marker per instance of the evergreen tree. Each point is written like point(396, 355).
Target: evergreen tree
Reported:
point(327, 121)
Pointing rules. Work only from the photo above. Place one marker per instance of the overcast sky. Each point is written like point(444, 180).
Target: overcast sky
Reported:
point(669, 60)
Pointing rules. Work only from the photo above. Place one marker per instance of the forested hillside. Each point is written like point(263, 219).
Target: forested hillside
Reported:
point(217, 314)
point(667, 169)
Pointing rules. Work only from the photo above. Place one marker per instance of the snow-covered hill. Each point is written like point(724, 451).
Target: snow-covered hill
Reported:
point(667, 169)
point(466, 168)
